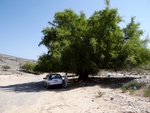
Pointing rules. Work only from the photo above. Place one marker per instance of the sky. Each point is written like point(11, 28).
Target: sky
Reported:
point(21, 21)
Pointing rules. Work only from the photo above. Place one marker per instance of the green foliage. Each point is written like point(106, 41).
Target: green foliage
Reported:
point(105, 38)
point(134, 51)
point(28, 66)
point(83, 46)
point(146, 67)
point(46, 64)
point(147, 92)
point(5, 67)
point(131, 86)
point(107, 2)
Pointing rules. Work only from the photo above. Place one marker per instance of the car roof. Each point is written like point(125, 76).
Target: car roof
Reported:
point(53, 74)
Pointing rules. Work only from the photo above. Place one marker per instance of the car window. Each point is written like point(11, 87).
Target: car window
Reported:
point(55, 76)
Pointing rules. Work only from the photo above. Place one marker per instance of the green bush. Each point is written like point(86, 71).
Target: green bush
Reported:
point(131, 86)
point(147, 92)
point(28, 66)
point(6, 67)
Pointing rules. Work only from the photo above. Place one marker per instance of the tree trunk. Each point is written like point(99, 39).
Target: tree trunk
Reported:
point(83, 75)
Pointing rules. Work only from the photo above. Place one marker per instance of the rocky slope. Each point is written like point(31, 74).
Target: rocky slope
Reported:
point(13, 62)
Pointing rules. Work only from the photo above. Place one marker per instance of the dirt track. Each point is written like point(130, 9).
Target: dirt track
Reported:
point(25, 94)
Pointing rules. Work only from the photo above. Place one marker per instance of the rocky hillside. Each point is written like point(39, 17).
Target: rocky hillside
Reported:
point(13, 62)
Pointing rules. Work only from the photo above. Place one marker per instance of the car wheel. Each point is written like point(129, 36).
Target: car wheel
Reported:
point(61, 86)
point(47, 86)
point(44, 84)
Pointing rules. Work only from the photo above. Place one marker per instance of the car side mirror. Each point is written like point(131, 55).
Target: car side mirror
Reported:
point(44, 78)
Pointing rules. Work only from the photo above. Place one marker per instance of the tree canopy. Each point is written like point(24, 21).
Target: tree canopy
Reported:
point(84, 45)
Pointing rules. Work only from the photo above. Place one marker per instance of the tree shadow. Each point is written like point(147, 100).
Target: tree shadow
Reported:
point(112, 83)
point(24, 87)
point(73, 84)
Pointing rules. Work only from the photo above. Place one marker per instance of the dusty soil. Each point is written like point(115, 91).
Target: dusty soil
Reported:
point(26, 94)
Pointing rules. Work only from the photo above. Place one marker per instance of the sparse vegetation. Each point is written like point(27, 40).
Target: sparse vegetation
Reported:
point(6, 67)
point(100, 94)
point(28, 66)
point(132, 86)
point(147, 92)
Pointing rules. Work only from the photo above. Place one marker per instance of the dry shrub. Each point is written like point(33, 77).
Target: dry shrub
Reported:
point(100, 94)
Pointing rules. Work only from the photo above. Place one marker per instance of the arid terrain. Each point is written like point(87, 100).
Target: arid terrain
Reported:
point(13, 62)
point(26, 94)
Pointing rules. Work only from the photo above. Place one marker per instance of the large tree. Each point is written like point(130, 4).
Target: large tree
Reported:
point(83, 46)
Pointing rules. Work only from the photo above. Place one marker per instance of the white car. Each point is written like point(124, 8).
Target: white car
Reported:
point(53, 80)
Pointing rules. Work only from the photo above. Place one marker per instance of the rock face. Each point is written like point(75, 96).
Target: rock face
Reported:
point(13, 62)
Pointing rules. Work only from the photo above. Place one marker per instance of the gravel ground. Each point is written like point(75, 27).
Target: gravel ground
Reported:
point(25, 94)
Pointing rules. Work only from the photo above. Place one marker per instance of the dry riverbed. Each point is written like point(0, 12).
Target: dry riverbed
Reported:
point(26, 94)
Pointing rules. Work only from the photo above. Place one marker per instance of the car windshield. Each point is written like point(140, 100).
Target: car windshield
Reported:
point(54, 76)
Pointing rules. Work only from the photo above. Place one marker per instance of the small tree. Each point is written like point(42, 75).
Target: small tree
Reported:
point(28, 66)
